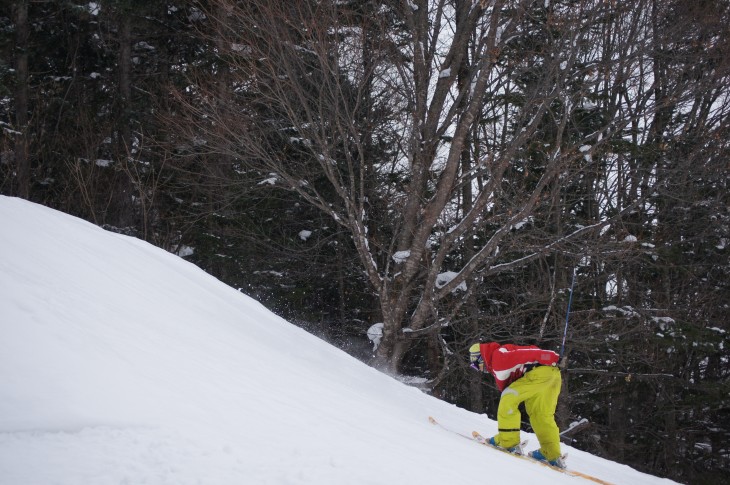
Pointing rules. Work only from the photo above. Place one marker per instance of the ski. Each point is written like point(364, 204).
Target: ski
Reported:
point(482, 440)
point(477, 437)
point(433, 421)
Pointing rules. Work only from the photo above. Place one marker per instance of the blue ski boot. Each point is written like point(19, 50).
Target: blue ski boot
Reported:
point(537, 455)
point(517, 449)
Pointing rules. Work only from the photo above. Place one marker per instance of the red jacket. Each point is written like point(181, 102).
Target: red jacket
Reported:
point(507, 362)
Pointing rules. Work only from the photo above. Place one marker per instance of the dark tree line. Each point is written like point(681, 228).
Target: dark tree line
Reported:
point(440, 167)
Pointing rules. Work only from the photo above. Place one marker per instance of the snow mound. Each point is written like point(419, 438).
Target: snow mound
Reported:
point(121, 363)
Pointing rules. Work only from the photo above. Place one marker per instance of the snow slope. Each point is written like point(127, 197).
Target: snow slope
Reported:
point(123, 364)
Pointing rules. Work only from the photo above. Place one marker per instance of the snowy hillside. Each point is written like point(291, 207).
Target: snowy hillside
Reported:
point(123, 364)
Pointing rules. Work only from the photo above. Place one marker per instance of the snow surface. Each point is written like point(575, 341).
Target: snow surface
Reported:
point(121, 363)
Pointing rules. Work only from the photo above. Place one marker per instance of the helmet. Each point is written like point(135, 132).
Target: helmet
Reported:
point(474, 353)
point(475, 357)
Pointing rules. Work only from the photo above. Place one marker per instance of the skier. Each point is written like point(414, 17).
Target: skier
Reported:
point(523, 374)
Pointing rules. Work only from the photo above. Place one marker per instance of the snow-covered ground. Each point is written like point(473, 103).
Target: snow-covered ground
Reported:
point(123, 364)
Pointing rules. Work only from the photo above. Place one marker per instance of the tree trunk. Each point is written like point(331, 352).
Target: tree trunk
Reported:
point(22, 158)
point(125, 82)
point(617, 423)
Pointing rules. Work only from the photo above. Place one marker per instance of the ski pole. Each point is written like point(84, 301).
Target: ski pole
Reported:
point(567, 315)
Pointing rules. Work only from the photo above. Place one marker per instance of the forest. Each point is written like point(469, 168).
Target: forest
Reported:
point(428, 173)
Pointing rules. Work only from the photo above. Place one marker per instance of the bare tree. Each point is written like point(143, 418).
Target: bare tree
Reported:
point(302, 75)
point(487, 111)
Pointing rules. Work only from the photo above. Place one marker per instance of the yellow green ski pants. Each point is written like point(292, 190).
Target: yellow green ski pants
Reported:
point(539, 390)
